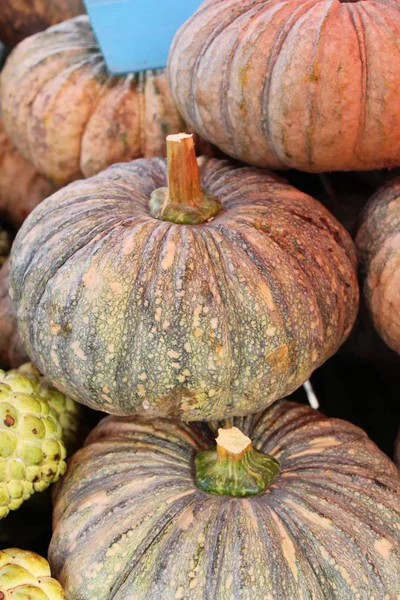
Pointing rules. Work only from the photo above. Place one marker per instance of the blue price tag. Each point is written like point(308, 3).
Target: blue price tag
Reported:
point(136, 34)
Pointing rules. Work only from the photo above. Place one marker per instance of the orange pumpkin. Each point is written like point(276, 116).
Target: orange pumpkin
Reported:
point(210, 299)
point(312, 86)
point(378, 243)
point(21, 187)
point(114, 118)
point(22, 18)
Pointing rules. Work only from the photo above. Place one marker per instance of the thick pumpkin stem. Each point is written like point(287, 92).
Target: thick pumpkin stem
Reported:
point(235, 468)
point(183, 201)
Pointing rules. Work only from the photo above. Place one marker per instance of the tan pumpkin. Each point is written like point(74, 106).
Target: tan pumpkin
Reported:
point(311, 86)
point(22, 18)
point(210, 299)
point(114, 118)
point(130, 520)
point(378, 243)
point(12, 352)
point(21, 187)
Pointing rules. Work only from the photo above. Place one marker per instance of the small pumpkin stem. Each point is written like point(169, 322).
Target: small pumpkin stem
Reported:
point(183, 201)
point(235, 468)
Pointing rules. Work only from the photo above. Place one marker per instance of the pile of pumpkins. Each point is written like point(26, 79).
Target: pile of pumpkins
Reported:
point(188, 297)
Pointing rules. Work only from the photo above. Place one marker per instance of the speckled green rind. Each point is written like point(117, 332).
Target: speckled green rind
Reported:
point(31, 449)
point(137, 315)
point(131, 524)
point(378, 244)
point(69, 413)
point(248, 476)
point(12, 352)
point(26, 576)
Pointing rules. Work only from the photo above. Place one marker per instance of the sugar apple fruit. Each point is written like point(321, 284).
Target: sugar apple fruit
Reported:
point(69, 412)
point(26, 576)
point(32, 453)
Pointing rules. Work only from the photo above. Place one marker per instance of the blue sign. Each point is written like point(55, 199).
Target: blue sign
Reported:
point(135, 35)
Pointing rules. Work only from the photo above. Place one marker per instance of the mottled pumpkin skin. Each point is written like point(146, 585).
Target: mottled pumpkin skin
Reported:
point(12, 353)
point(21, 187)
point(137, 315)
point(22, 18)
point(378, 243)
point(308, 85)
point(114, 118)
point(130, 522)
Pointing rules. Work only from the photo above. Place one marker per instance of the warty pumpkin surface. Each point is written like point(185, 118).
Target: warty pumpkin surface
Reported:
point(22, 18)
point(21, 186)
point(12, 352)
point(130, 521)
point(115, 118)
point(378, 243)
point(311, 85)
point(135, 314)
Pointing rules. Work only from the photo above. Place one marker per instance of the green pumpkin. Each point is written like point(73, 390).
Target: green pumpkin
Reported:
point(131, 522)
point(130, 304)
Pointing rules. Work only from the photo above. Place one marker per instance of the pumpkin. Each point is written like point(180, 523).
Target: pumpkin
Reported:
point(21, 18)
point(210, 299)
point(115, 118)
point(378, 243)
point(21, 187)
point(292, 84)
point(12, 353)
point(130, 520)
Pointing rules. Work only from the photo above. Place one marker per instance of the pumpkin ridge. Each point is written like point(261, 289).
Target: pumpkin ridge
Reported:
point(280, 40)
point(348, 532)
point(313, 74)
point(360, 35)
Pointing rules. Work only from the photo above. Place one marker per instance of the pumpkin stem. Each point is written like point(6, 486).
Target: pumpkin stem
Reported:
point(235, 468)
point(183, 201)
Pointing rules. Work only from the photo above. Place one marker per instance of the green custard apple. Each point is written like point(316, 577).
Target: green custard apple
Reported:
point(69, 412)
point(26, 576)
point(32, 453)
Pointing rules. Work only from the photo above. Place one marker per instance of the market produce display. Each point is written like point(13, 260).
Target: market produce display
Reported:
point(138, 314)
point(21, 18)
point(32, 452)
point(167, 298)
point(26, 576)
point(292, 84)
point(378, 242)
point(12, 352)
point(115, 118)
point(131, 522)
point(21, 187)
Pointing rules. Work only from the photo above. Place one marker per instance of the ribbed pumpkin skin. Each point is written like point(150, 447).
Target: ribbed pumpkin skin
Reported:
point(22, 18)
point(306, 84)
point(114, 118)
point(130, 522)
point(21, 187)
point(378, 243)
point(12, 353)
point(138, 315)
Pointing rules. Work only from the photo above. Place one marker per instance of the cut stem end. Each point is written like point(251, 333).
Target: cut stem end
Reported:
point(235, 468)
point(184, 201)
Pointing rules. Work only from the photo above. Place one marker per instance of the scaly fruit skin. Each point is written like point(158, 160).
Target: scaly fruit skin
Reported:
point(32, 452)
point(68, 411)
point(26, 576)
